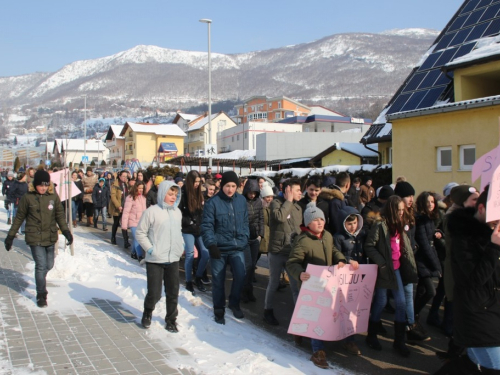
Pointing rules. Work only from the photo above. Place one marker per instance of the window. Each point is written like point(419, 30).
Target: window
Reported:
point(238, 137)
point(444, 159)
point(467, 157)
point(232, 138)
point(278, 115)
point(279, 104)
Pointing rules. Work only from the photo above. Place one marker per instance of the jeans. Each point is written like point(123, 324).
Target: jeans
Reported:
point(425, 292)
point(277, 263)
point(317, 345)
point(14, 213)
point(136, 248)
point(410, 314)
point(74, 209)
point(485, 357)
point(169, 274)
point(251, 252)
point(237, 261)
point(102, 211)
point(44, 261)
point(380, 300)
point(189, 241)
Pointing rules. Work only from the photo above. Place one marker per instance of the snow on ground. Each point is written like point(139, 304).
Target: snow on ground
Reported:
point(100, 270)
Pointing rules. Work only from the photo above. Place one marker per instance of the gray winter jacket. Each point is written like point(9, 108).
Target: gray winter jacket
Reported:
point(160, 229)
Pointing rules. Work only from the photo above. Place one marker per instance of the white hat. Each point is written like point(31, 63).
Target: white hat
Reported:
point(266, 190)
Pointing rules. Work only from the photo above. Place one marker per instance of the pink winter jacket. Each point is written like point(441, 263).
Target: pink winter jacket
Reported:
point(132, 211)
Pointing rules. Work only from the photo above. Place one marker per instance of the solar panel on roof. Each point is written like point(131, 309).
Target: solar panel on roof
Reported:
point(494, 28)
point(458, 23)
point(398, 103)
point(445, 40)
point(477, 32)
point(460, 37)
point(490, 12)
point(430, 61)
point(442, 80)
point(483, 3)
point(414, 101)
point(474, 17)
point(431, 97)
point(430, 78)
point(470, 6)
point(464, 50)
point(446, 57)
point(414, 82)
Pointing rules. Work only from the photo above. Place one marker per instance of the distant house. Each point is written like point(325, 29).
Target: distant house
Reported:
point(345, 154)
point(142, 141)
point(182, 120)
point(116, 144)
point(200, 135)
point(446, 113)
point(72, 151)
point(264, 109)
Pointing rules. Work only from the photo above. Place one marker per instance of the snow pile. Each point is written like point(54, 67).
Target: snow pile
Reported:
point(303, 172)
point(486, 47)
point(100, 270)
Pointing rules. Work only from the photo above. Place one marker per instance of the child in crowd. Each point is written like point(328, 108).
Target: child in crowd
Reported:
point(315, 246)
point(350, 242)
point(159, 231)
point(100, 197)
point(389, 247)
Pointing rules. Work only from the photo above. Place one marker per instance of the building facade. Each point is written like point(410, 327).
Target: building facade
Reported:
point(264, 109)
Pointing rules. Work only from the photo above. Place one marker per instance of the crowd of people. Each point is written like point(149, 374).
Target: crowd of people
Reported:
point(429, 248)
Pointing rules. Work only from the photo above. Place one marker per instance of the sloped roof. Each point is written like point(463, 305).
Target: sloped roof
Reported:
point(158, 129)
point(184, 116)
point(78, 145)
point(114, 130)
point(202, 122)
point(356, 149)
point(473, 27)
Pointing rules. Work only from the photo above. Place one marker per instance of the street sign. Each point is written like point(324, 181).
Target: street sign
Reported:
point(210, 150)
point(47, 162)
point(85, 159)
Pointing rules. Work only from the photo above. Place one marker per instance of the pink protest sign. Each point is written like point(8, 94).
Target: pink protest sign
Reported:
point(334, 303)
point(493, 205)
point(485, 166)
point(63, 193)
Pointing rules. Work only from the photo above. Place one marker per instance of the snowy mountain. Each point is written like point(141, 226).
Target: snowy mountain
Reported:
point(348, 72)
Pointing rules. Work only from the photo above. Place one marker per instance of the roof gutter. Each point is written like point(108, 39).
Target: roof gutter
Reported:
point(376, 151)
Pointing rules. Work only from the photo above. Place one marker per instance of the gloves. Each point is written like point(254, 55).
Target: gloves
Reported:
point(8, 242)
point(214, 252)
point(150, 251)
point(68, 236)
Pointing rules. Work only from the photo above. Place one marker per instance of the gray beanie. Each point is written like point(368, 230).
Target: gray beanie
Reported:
point(312, 212)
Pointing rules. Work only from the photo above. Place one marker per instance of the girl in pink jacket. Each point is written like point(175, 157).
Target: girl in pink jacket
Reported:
point(135, 205)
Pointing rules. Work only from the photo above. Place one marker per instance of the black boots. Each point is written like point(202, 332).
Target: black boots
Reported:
point(219, 316)
point(371, 338)
point(146, 318)
point(269, 317)
point(126, 244)
point(399, 339)
point(199, 284)
point(113, 240)
point(41, 300)
point(171, 326)
point(190, 287)
point(237, 313)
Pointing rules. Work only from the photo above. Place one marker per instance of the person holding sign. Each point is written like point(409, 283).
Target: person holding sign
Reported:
point(315, 246)
point(388, 246)
point(475, 265)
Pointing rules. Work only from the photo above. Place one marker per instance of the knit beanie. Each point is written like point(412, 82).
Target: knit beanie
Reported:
point(229, 176)
point(328, 181)
point(312, 212)
point(102, 179)
point(404, 189)
point(459, 194)
point(158, 180)
point(266, 190)
point(448, 187)
point(385, 192)
point(178, 179)
point(41, 176)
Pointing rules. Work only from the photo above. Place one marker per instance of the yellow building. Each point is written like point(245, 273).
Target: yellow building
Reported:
point(143, 141)
point(446, 113)
point(345, 154)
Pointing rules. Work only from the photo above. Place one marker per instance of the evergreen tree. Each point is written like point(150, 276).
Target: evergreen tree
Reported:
point(114, 163)
point(17, 164)
point(81, 164)
point(103, 163)
point(92, 163)
point(15, 141)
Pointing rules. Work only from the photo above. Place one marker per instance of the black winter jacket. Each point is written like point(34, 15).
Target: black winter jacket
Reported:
point(17, 191)
point(152, 196)
point(428, 264)
point(190, 220)
point(336, 202)
point(100, 196)
point(255, 210)
point(475, 263)
point(6, 188)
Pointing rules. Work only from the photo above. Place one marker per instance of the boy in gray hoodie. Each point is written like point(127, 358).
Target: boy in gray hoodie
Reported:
point(159, 231)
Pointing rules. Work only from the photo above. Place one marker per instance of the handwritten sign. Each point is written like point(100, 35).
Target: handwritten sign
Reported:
point(485, 166)
point(334, 303)
point(63, 193)
point(493, 205)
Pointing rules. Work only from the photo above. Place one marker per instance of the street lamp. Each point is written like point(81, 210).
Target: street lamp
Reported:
point(209, 22)
point(85, 130)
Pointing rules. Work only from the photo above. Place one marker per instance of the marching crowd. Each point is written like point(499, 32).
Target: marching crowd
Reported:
point(429, 248)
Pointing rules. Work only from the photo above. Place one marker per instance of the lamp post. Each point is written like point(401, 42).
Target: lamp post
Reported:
point(85, 129)
point(209, 22)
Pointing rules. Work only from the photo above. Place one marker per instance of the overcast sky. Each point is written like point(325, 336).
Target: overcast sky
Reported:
point(46, 35)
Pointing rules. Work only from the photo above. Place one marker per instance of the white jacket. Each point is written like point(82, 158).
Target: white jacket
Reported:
point(160, 229)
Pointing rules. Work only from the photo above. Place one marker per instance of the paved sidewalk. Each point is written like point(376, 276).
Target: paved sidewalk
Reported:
point(108, 340)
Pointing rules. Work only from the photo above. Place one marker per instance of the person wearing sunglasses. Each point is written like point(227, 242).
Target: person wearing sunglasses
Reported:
point(43, 212)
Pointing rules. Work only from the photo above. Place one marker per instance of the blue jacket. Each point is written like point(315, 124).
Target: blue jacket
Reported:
point(225, 222)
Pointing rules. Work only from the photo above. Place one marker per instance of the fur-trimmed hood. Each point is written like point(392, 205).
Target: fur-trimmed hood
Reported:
point(462, 223)
point(50, 190)
point(329, 194)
